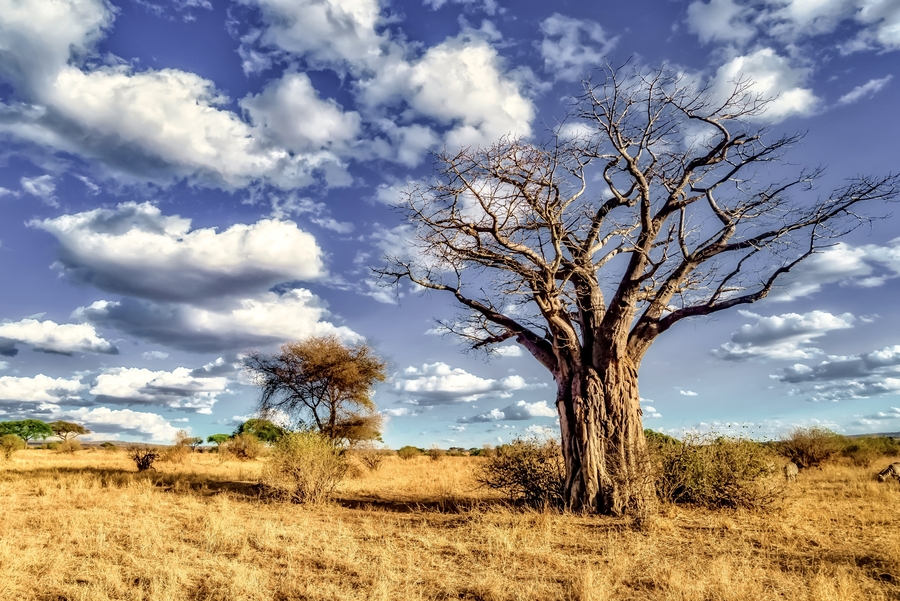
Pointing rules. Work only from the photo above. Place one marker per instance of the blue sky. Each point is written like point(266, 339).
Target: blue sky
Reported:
point(185, 181)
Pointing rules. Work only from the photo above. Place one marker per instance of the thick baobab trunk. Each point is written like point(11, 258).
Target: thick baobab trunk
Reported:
point(607, 466)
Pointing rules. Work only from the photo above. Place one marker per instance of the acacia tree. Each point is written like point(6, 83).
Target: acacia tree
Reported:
point(323, 383)
point(683, 225)
point(27, 429)
point(66, 430)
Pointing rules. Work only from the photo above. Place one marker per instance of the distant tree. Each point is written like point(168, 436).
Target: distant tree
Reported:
point(264, 430)
point(194, 442)
point(694, 210)
point(324, 383)
point(67, 430)
point(218, 439)
point(27, 429)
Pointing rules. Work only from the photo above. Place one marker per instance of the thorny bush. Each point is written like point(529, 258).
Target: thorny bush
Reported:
point(528, 471)
point(715, 471)
point(304, 467)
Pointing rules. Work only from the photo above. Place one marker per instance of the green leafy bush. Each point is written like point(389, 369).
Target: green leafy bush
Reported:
point(528, 471)
point(9, 444)
point(810, 447)
point(408, 452)
point(304, 467)
point(715, 471)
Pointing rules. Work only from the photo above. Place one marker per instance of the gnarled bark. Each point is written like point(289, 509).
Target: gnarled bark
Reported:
point(603, 440)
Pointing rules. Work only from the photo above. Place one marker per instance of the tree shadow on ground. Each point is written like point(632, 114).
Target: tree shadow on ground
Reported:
point(442, 505)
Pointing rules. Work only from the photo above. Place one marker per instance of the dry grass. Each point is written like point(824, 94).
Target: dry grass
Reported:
point(86, 526)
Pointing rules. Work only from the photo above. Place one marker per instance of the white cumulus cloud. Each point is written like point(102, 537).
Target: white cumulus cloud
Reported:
point(51, 337)
point(787, 336)
point(136, 250)
point(150, 427)
point(39, 388)
point(515, 412)
point(265, 319)
point(571, 48)
point(438, 384)
point(176, 389)
point(774, 77)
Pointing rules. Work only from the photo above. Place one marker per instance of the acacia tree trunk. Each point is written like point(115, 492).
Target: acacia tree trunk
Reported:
point(607, 466)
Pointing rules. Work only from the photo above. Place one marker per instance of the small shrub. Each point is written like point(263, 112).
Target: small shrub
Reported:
point(369, 456)
point(9, 444)
point(408, 452)
point(304, 467)
point(810, 447)
point(68, 446)
point(143, 457)
point(435, 454)
point(715, 472)
point(108, 446)
point(243, 447)
point(175, 454)
point(52, 446)
point(528, 471)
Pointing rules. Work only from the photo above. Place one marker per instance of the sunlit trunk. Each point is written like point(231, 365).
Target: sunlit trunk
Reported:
point(607, 466)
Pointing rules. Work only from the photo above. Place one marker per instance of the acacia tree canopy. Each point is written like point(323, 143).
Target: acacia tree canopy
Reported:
point(686, 220)
point(218, 439)
point(263, 429)
point(67, 430)
point(27, 429)
point(322, 383)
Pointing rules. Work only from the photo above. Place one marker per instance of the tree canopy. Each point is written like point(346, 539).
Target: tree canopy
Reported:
point(322, 383)
point(263, 429)
point(67, 430)
point(27, 429)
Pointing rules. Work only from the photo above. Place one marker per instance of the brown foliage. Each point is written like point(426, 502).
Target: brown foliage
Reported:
point(242, 447)
point(811, 447)
point(322, 382)
point(143, 457)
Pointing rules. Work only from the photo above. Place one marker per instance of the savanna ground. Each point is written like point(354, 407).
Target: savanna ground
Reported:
point(86, 526)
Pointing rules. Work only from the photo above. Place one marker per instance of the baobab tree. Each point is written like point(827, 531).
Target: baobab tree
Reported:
point(694, 214)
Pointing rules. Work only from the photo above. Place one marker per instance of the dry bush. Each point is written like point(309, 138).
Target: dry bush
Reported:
point(528, 471)
point(435, 454)
point(143, 457)
point(408, 452)
point(9, 444)
point(715, 471)
point(369, 455)
point(304, 467)
point(69, 446)
point(178, 453)
point(810, 447)
point(863, 451)
point(243, 447)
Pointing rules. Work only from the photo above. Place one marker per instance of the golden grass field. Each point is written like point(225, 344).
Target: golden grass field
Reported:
point(87, 527)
